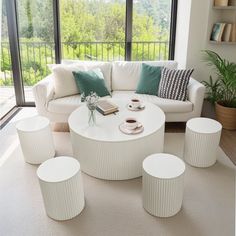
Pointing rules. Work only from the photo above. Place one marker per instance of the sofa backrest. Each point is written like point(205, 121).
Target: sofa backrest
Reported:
point(89, 65)
point(125, 74)
point(121, 75)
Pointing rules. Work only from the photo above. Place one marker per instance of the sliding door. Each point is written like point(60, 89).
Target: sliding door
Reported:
point(7, 91)
point(36, 41)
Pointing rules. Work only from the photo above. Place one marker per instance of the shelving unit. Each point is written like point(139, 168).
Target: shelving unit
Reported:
point(224, 14)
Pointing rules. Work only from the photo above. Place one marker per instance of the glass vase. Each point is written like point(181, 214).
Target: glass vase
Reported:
point(92, 117)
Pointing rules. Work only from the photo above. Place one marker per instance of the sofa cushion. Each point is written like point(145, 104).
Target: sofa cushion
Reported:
point(174, 84)
point(64, 105)
point(63, 79)
point(125, 74)
point(167, 105)
point(105, 67)
point(91, 81)
point(68, 104)
point(149, 80)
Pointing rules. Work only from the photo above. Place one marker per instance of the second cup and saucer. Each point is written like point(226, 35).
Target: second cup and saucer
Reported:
point(135, 105)
point(131, 126)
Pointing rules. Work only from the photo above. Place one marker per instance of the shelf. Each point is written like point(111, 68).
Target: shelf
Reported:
point(224, 8)
point(223, 42)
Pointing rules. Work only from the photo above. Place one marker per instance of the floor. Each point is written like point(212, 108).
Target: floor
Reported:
point(8, 99)
point(113, 208)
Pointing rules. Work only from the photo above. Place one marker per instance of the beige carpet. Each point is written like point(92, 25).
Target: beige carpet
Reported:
point(115, 207)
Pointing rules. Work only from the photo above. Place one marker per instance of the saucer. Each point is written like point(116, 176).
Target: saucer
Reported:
point(123, 128)
point(140, 108)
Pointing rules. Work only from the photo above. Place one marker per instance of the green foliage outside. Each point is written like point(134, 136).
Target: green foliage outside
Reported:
point(90, 30)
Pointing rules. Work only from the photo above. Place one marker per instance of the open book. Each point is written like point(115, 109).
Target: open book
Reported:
point(106, 108)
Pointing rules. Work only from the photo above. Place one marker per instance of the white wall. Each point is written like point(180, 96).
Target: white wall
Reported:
point(200, 17)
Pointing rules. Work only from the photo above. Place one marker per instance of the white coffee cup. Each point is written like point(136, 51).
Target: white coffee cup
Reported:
point(131, 123)
point(135, 103)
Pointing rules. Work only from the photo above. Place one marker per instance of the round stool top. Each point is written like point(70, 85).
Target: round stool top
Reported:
point(32, 124)
point(58, 169)
point(204, 125)
point(163, 166)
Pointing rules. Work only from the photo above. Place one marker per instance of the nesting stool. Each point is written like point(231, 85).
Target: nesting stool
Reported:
point(163, 184)
point(62, 187)
point(36, 139)
point(202, 139)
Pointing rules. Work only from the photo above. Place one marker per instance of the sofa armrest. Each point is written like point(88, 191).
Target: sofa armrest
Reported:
point(43, 92)
point(196, 93)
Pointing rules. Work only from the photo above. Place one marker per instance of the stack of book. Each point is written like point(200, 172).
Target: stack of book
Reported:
point(106, 108)
point(223, 32)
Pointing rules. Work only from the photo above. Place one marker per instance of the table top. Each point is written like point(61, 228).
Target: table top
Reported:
point(58, 169)
point(163, 166)
point(107, 127)
point(32, 124)
point(204, 125)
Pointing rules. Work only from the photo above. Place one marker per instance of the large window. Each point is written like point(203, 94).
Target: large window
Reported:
point(151, 29)
point(45, 32)
point(7, 98)
point(36, 40)
point(109, 30)
point(93, 30)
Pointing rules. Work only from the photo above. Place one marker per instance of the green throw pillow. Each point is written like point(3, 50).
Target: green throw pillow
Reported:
point(91, 81)
point(149, 79)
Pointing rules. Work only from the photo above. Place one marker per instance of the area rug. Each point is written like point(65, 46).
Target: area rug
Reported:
point(114, 208)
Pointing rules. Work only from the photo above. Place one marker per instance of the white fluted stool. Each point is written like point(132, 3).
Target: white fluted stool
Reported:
point(163, 184)
point(202, 139)
point(36, 139)
point(62, 187)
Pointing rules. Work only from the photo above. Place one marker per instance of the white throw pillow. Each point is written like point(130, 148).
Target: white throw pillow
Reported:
point(64, 82)
point(105, 67)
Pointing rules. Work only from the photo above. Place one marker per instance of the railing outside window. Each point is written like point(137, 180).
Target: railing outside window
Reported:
point(36, 55)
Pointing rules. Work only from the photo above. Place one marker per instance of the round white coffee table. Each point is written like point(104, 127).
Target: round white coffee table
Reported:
point(163, 184)
point(36, 139)
point(105, 152)
point(202, 139)
point(62, 187)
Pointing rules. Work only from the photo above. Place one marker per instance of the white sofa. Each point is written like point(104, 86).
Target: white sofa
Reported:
point(121, 78)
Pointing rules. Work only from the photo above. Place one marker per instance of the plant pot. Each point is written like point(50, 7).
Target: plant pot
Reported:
point(226, 116)
point(221, 3)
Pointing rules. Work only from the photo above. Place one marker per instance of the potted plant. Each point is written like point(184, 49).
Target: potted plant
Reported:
point(222, 91)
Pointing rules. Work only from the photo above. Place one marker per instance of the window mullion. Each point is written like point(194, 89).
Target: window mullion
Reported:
point(128, 29)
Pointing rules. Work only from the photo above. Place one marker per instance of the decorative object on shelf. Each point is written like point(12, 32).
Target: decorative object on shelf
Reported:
point(91, 102)
point(217, 32)
point(222, 91)
point(221, 3)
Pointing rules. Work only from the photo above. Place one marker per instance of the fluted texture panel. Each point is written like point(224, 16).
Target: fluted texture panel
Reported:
point(115, 160)
point(37, 146)
point(63, 200)
point(200, 149)
point(162, 197)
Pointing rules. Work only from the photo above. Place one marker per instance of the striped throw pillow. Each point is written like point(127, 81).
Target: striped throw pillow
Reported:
point(174, 83)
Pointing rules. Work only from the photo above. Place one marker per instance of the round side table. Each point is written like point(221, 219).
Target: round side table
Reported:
point(62, 187)
point(163, 184)
point(202, 139)
point(36, 139)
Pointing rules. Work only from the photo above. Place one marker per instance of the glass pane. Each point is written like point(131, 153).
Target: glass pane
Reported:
point(151, 29)
point(36, 37)
point(93, 30)
point(7, 92)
